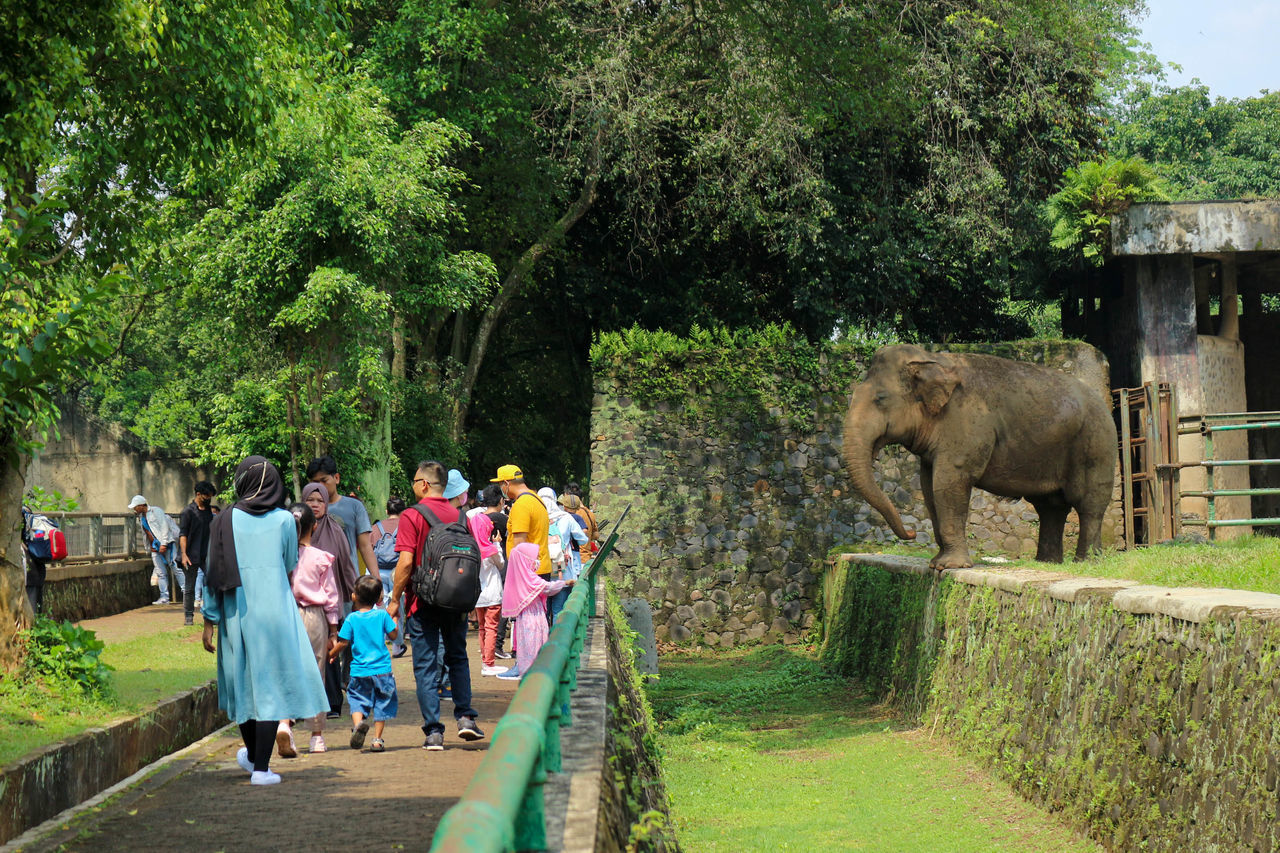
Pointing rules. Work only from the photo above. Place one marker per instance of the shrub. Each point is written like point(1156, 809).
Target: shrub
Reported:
point(65, 655)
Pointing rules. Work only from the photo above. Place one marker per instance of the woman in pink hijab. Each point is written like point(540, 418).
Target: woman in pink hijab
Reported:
point(524, 600)
point(490, 602)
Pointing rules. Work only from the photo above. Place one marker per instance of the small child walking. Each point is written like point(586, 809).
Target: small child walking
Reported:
point(524, 599)
point(371, 691)
point(489, 605)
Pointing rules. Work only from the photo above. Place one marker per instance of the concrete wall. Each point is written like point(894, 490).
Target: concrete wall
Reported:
point(103, 466)
point(733, 509)
point(1147, 715)
point(92, 590)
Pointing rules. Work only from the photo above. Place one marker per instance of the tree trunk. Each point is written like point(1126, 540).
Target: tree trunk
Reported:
point(15, 610)
point(397, 346)
point(291, 421)
point(511, 285)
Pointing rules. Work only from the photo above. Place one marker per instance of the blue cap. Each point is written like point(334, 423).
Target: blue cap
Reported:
point(456, 485)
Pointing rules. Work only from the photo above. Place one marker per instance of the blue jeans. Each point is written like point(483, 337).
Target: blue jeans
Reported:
point(556, 603)
point(426, 628)
point(163, 561)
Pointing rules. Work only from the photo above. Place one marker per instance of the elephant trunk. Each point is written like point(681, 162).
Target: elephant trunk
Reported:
point(862, 437)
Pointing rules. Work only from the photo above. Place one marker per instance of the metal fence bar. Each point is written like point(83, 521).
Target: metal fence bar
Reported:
point(100, 536)
point(1231, 522)
point(1230, 427)
point(1229, 492)
point(502, 807)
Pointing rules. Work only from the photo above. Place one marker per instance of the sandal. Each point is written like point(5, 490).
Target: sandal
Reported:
point(377, 745)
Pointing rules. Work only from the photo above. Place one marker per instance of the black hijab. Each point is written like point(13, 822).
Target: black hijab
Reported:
point(259, 490)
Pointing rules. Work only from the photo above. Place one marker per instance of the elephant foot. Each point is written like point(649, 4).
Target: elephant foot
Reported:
point(951, 560)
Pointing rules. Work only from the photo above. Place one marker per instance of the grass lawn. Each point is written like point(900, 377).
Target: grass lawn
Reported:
point(148, 668)
point(1248, 562)
point(763, 751)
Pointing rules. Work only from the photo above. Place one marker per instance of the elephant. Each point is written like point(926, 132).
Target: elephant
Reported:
point(1017, 430)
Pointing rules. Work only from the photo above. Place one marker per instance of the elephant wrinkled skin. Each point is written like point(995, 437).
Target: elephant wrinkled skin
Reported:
point(1017, 430)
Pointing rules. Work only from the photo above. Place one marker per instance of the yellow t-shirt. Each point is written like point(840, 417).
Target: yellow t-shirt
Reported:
point(528, 515)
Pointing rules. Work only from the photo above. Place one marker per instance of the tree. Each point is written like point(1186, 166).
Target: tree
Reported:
point(103, 104)
point(1204, 148)
point(301, 258)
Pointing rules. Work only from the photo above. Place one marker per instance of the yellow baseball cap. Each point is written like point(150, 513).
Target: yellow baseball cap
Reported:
point(508, 472)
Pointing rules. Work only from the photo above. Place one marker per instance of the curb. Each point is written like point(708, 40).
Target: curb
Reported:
point(61, 775)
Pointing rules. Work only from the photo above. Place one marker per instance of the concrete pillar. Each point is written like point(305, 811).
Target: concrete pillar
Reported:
point(1229, 308)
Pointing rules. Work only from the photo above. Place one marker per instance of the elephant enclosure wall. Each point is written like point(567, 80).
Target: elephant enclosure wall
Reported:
point(730, 461)
point(1150, 716)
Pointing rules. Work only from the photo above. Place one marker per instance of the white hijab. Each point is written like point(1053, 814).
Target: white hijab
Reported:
point(555, 512)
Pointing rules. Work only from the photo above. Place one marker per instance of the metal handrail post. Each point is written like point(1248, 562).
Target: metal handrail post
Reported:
point(1208, 482)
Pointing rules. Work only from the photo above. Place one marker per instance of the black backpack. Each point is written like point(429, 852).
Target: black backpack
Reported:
point(448, 574)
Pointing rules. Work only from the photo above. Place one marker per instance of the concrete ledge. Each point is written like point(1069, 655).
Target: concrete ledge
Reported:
point(59, 572)
point(61, 775)
point(1190, 604)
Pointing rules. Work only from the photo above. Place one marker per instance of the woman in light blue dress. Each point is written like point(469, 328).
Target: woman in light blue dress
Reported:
point(266, 669)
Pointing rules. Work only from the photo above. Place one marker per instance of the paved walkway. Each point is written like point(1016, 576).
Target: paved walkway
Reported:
point(341, 800)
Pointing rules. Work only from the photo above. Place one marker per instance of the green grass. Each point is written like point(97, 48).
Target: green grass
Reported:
point(148, 669)
point(1247, 562)
point(762, 750)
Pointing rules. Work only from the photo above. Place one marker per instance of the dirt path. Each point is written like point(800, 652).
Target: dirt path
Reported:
point(341, 800)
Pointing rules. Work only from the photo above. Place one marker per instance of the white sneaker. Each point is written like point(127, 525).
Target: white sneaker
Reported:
point(284, 742)
point(492, 670)
point(317, 744)
point(242, 758)
point(264, 777)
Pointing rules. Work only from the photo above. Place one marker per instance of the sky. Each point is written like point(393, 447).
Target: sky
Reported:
point(1231, 45)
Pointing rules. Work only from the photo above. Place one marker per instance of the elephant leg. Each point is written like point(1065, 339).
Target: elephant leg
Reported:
point(1053, 518)
point(926, 489)
point(951, 490)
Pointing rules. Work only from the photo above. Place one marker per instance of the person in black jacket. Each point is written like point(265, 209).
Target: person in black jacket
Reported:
point(193, 546)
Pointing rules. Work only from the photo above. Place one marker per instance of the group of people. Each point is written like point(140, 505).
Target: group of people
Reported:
point(297, 625)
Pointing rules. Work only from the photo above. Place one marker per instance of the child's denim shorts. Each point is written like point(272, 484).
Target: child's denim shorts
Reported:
point(373, 695)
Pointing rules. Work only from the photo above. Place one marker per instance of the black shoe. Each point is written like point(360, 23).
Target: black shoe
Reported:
point(399, 653)
point(501, 654)
point(333, 715)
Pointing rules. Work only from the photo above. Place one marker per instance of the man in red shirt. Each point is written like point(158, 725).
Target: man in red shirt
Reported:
point(426, 625)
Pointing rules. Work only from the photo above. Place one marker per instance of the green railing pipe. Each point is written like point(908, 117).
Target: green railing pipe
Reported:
point(502, 807)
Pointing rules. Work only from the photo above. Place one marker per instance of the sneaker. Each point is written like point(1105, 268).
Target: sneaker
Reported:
point(332, 715)
point(492, 670)
point(468, 730)
point(435, 742)
point(398, 651)
point(161, 601)
point(264, 777)
point(376, 745)
point(199, 602)
point(284, 743)
point(188, 620)
point(502, 655)
point(317, 745)
point(242, 758)
point(445, 691)
point(512, 674)
point(358, 733)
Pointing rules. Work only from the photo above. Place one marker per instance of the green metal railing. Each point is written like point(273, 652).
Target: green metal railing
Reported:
point(502, 807)
point(1208, 425)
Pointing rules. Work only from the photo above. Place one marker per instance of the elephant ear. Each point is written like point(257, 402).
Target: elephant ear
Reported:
point(933, 380)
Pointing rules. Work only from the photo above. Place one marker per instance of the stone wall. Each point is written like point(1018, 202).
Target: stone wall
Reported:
point(634, 812)
point(102, 465)
point(734, 506)
point(91, 590)
point(1147, 715)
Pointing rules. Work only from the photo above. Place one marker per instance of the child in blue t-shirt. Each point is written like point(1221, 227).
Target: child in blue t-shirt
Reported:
point(371, 692)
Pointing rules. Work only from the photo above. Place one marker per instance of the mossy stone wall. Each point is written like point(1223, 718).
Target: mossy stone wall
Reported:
point(1150, 716)
point(92, 590)
point(737, 491)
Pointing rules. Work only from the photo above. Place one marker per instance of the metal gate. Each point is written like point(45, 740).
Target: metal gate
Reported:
point(1149, 491)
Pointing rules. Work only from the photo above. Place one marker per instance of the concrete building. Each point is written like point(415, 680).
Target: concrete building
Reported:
point(1188, 297)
